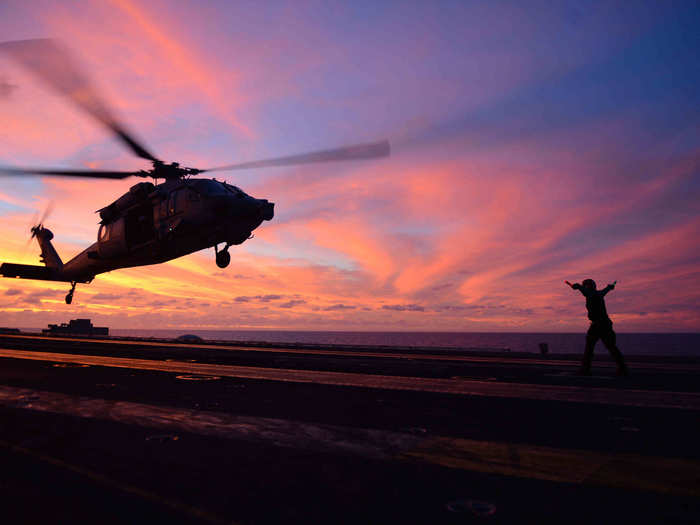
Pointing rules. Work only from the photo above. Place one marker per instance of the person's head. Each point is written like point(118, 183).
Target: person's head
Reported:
point(588, 283)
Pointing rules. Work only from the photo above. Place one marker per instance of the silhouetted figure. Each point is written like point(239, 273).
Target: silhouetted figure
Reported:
point(601, 326)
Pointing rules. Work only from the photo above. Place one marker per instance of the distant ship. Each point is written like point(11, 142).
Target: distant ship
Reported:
point(76, 327)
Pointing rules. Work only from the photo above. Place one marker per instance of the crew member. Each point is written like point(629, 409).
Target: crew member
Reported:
point(601, 326)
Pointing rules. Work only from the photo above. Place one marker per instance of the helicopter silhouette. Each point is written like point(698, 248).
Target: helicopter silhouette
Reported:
point(151, 223)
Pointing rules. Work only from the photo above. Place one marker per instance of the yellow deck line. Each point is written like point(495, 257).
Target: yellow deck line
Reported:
point(675, 476)
point(575, 394)
point(360, 353)
point(626, 471)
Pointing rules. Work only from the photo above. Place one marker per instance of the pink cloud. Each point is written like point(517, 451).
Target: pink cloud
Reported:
point(472, 230)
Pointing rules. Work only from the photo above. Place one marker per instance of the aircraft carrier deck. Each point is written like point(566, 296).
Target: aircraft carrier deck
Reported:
point(113, 431)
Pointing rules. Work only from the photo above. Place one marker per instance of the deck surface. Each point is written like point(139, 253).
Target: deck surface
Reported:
point(124, 430)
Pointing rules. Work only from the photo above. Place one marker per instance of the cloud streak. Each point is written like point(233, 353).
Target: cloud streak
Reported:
point(559, 153)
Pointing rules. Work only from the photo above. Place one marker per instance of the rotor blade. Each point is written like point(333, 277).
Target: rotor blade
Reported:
point(31, 233)
point(47, 211)
point(52, 63)
point(68, 173)
point(370, 150)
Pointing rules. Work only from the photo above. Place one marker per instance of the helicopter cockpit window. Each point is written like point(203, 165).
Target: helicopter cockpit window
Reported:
point(234, 189)
point(210, 187)
point(103, 234)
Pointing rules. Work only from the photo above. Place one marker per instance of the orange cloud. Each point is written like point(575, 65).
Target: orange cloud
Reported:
point(184, 60)
point(472, 229)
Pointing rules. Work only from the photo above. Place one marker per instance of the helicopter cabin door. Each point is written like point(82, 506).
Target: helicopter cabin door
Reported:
point(139, 226)
point(111, 241)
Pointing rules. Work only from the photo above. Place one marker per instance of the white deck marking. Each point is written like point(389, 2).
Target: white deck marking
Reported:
point(575, 394)
point(362, 353)
point(627, 471)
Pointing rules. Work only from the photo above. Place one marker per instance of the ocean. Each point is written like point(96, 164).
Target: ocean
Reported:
point(674, 344)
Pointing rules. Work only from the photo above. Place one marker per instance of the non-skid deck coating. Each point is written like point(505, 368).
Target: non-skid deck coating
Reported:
point(124, 439)
point(454, 357)
point(574, 394)
point(672, 475)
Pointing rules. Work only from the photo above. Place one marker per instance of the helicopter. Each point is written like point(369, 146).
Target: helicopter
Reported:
point(153, 222)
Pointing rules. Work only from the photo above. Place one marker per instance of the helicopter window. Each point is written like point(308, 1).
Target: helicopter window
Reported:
point(177, 202)
point(192, 195)
point(235, 190)
point(210, 187)
point(103, 234)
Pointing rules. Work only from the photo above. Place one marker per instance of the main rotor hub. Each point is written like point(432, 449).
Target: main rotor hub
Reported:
point(161, 170)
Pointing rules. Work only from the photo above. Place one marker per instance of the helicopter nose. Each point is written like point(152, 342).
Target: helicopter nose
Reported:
point(245, 206)
point(267, 209)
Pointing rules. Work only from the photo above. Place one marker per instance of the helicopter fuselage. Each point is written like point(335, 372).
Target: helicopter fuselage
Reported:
point(152, 224)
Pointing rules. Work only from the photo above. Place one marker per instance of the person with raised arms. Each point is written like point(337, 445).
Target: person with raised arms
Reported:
point(601, 326)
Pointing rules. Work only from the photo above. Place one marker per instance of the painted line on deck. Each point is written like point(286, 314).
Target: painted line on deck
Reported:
point(678, 476)
point(363, 353)
point(101, 479)
point(280, 432)
point(626, 471)
point(574, 394)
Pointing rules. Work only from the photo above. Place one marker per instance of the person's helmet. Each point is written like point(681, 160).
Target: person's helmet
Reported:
point(589, 282)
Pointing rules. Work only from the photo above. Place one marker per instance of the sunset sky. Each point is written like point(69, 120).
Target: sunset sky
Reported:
point(532, 142)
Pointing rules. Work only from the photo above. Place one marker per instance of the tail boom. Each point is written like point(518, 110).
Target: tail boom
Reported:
point(42, 273)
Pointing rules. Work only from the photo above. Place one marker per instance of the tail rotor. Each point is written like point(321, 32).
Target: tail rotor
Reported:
point(37, 225)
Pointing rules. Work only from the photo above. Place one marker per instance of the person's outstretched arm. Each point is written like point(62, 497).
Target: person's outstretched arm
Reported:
point(608, 288)
point(575, 286)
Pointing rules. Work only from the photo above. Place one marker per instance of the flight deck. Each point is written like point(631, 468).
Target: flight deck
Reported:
point(123, 430)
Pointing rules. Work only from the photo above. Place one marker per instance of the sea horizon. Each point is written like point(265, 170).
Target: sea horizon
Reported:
point(630, 343)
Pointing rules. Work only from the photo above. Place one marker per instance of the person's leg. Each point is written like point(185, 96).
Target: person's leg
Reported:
point(609, 339)
point(591, 340)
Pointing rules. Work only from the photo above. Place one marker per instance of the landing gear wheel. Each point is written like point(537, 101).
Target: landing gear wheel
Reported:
point(69, 297)
point(223, 258)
